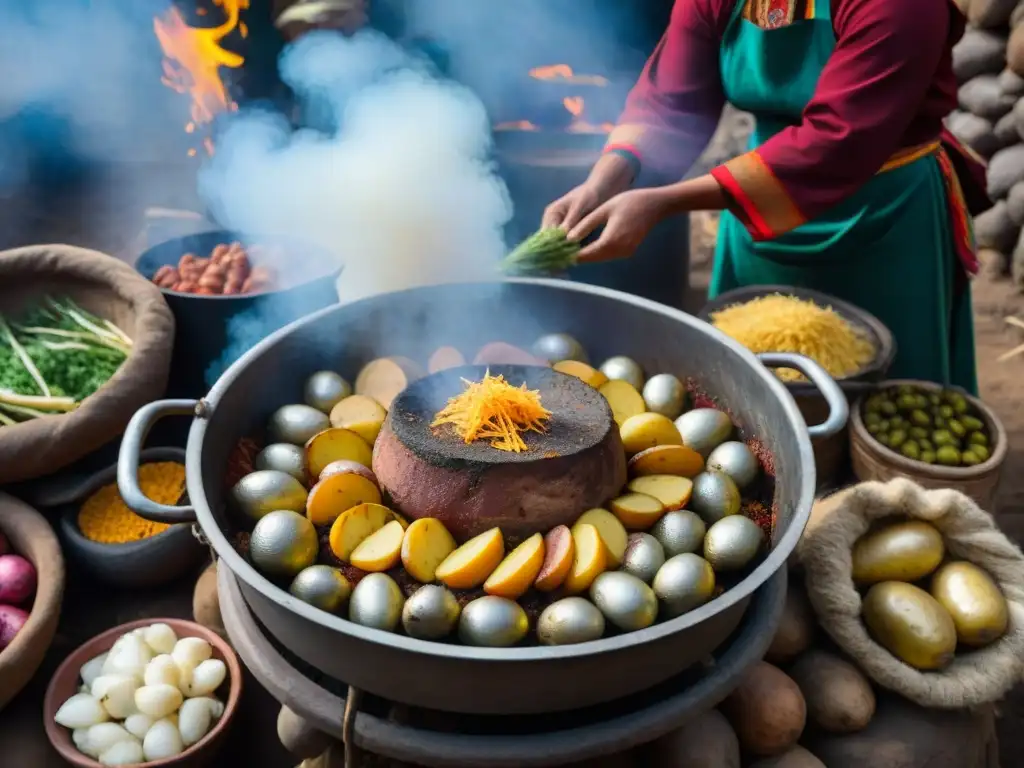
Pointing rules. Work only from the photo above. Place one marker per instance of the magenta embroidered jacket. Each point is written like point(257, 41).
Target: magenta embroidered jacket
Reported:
point(880, 100)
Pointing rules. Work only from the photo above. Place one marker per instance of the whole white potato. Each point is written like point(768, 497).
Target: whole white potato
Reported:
point(158, 701)
point(123, 753)
point(103, 736)
point(128, 656)
point(92, 669)
point(82, 710)
point(80, 738)
point(160, 638)
point(162, 741)
point(116, 693)
point(194, 720)
point(138, 724)
point(216, 705)
point(191, 651)
point(162, 669)
point(207, 677)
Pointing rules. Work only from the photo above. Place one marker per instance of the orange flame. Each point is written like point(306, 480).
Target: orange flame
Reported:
point(563, 73)
point(193, 57)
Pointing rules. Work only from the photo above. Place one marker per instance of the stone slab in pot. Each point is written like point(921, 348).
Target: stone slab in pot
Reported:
point(31, 536)
point(109, 289)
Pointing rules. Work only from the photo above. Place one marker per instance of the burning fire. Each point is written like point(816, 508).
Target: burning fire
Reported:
point(574, 105)
point(193, 57)
point(564, 72)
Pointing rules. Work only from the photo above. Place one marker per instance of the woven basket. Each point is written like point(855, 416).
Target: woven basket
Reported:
point(32, 538)
point(114, 291)
point(873, 461)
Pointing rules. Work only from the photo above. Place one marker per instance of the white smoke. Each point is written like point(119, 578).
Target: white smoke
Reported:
point(403, 192)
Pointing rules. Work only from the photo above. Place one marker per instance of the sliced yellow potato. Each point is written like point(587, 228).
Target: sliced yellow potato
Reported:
point(380, 551)
point(648, 430)
point(445, 358)
point(336, 444)
point(673, 492)
point(360, 414)
point(590, 559)
point(637, 511)
point(384, 378)
point(425, 546)
point(558, 555)
point(471, 564)
point(613, 534)
point(517, 571)
point(582, 371)
point(355, 524)
point(337, 493)
point(667, 460)
point(623, 398)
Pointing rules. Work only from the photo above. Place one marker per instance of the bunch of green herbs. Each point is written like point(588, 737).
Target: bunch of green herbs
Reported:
point(53, 357)
point(548, 251)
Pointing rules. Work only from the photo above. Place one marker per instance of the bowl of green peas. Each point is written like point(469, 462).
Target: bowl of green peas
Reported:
point(940, 437)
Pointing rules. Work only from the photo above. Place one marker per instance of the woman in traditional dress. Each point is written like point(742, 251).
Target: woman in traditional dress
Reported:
point(851, 185)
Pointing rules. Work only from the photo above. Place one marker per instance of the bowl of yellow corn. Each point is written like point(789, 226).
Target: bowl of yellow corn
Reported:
point(113, 544)
point(854, 346)
point(851, 344)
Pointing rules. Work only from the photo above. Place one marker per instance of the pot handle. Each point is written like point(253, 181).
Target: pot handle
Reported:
point(838, 407)
point(130, 454)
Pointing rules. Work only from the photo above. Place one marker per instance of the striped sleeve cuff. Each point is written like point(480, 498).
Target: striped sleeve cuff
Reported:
point(629, 154)
point(757, 197)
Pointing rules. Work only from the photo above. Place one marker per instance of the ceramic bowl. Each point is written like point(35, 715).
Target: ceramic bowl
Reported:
point(31, 536)
point(141, 564)
point(65, 683)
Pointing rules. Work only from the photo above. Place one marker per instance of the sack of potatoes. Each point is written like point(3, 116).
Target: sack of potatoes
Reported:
point(920, 589)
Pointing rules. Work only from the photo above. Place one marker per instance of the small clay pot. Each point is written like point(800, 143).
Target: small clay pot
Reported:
point(142, 564)
point(65, 683)
point(31, 536)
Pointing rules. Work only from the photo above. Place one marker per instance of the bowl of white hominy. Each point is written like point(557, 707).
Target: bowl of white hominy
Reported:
point(156, 692)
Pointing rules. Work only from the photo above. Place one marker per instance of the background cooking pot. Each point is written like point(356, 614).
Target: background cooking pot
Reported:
point(412, 323)
point(215, 330)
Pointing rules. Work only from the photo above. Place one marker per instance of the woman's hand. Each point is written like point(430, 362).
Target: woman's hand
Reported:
point(627, 218)
point(610, 175)
point(567, 211)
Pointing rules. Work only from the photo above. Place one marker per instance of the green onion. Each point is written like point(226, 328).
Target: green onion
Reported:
point(25, 359)
point(544, 252)
point(54, 358)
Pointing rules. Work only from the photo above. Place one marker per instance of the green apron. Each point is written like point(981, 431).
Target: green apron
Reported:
point(889, 248)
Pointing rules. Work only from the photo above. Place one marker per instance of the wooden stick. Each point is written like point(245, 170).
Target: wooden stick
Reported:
point(1015, 321)
point(1012, 353)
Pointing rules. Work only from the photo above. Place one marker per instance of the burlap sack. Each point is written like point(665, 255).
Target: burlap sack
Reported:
point(976, 677)
point(110, 289)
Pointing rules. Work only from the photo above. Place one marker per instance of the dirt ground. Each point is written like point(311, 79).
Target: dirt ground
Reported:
point(995, 298)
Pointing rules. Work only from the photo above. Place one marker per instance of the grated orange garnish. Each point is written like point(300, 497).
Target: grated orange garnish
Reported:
point(492, 409)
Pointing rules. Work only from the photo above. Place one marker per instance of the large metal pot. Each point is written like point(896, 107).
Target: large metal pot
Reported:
point(412, 323)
